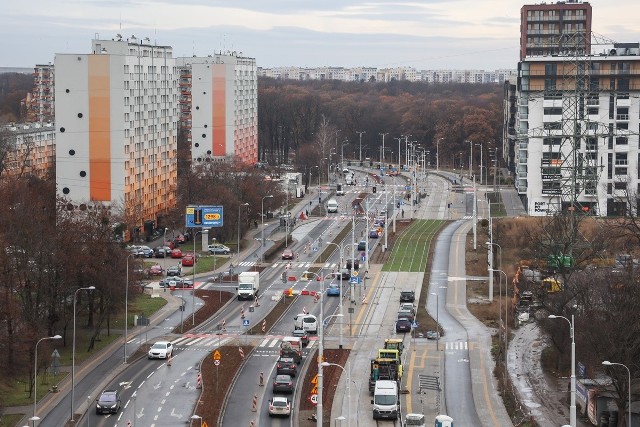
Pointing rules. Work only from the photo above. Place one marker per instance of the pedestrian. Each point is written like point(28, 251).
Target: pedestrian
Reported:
point(255, 223)
point(307, 212)
point(402, 213)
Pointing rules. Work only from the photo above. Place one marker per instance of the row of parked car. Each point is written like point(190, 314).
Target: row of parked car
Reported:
point(406, 312)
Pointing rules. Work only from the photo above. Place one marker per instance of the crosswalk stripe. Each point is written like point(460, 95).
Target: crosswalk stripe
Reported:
point(179, 340)
point(273, 343)
point(264, 342)
point(194, 341)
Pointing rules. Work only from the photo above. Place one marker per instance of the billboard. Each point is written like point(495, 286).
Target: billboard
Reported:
point(204, 216)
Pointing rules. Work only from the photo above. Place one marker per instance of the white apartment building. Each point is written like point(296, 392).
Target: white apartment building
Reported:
point(116, 121)
point(219, 107)
point(604, 156)
point(40, 105)
point(31, 149)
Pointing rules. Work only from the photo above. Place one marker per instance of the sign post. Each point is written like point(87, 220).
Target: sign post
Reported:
point(216, 361)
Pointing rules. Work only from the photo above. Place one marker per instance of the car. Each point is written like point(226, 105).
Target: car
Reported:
point(408, 306)
point(188, 260)
point(143, 252)
point(108, 402)
point(286, 365)
point(176, 282)
point(333, 290)
point(373, 233)
point(406, 313)
point(283, 384)
point(407, 296)
point(362, 245)
point(174, 270)
point(403, 325)
point(279, 405)
point(306, 322)
point(302, 334)
point(356, 264)
point(433, 335)
point(176, 253)
point(156, 270)
point(180, 239)
point(287, 254)
point(161, 350)
point(218, 249)
point(161, 251)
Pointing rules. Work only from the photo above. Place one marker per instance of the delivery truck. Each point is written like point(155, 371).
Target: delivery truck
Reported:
point(248, 285)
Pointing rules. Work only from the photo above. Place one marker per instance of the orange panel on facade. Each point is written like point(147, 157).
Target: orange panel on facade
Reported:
point(219, 109)
point(99, 129)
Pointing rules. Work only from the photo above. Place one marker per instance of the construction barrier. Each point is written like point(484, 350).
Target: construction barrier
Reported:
point(169, 360)
point(316, 297)
point(304, 310)
point(292, 278)
point(199, 381)
point(224, 324)
point(264, 326)
point(261, 379)
point(241, 351)
point(364, 299)
point(254, 407)
point(304, 292)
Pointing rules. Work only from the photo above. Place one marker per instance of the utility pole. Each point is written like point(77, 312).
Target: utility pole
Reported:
point(382, 153)
point(360, 132)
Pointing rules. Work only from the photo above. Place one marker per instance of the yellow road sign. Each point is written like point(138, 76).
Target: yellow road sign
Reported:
point(314, 390)
point(315, 380)
point(355, 273)
point(217, 355)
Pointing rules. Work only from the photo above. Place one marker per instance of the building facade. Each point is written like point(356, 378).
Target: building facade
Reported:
point(219, 107)
point(116, 121)
point(31, 149)
point(41, 103)
point(577, 125)
point(560, 28)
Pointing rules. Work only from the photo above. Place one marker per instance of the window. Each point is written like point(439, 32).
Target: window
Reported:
point(551, 69)
point(556, 111)
point(620, 185)
point(621, 159)
point(622, 140)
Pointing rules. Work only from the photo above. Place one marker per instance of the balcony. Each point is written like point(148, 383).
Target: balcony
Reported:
point(622, 117)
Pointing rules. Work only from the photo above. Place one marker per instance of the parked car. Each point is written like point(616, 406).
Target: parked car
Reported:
point(108, 402)
point(287, 254)
point(433, 335)
point(188, 260)
point(161, 350)
point(302, 334)
point(407, 296)
point(174, 270)
point(333, 290)
point(279, 405)
point(143, 252)
point(362, 245)
point(218, 249)
point(180, 239)
point(161, 251)
point(176, 253)
point(176, 282)
point(283, 384)
point(156, 270)
point(286, 365)
point(403, 325)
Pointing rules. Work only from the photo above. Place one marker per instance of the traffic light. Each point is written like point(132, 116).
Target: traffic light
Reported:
point(374, 189)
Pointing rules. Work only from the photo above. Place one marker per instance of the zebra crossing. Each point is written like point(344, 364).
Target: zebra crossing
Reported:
point(457, 345)
point(210, 341)
point(292, 264)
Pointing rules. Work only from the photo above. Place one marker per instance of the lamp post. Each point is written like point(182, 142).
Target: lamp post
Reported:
point(341, 252)
point(506, 314)
point(321, 358)
point(126, 314)
point(34, 419)
point(607, 363)
point(35, 377)
point(360, 132)
point(348, 372)
point(438, 153)
point(73, 350)
point(193, 291)
point(481, 150)
point(470, 159)
point(491, 245)
point(399, 161)
point(572, 408)
point(262, 218)
point(196, 417)
point(239, 206)
point(382, 156)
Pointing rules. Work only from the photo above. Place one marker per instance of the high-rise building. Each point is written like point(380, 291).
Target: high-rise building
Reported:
point(40, 107)
point(219, 107)
point(555, 29)
point(116, 121)
point(33, 149)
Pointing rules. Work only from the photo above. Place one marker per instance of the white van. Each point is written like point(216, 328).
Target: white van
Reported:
point(332, 206)
point(306, 322)
point(385, 400)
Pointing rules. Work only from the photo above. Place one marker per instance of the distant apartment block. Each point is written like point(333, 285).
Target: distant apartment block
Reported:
point(365, 74)
point(31, 149)
point(40, 102)
point(219, 107)
point(560, 28)
point(116, 121)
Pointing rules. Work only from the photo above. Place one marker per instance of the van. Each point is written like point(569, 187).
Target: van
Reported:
point(349, 180)
point(332, 206)
point(385, 400)
point(291, 347)
point(339, 190)
point(306, 322)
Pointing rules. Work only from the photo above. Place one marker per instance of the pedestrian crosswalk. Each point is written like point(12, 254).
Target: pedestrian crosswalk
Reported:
point(292, 264)
point(457, 345)
point(211, 341)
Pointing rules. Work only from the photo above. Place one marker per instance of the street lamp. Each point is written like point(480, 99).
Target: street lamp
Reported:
point(348, 372)
point(490, 245)
point(470, 159)
point(481, 150)
point(196, 417)
point(382, 153)
point(360, 132)
point(607, 363)
point(270, 196)
point(506, 314)
point(341, 252)
point(73, 349)
point(239, 206)
point(321, 358)
point(126, 314)
point(572, 408)
point(437, 317)
point(35, 377)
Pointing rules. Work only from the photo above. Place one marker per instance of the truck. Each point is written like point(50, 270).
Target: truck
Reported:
point(386, 402)
point(394, 344)
point(248, 285)
point(332, 206)
point(384, 369)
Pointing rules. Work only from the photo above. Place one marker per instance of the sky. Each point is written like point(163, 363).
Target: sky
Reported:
point(424, 34)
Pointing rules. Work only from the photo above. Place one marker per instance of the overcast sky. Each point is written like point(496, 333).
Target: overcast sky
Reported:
point(425, 34)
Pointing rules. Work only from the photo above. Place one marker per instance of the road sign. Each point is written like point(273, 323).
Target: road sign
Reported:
point(251, 309)
point(314, 390)
point(217, 355)
point(355, 273)
point(216, 362)
point(204, 216)
point(414, 325)
point(355, 280)
point(314, 399)
point(245, 322)
point(363, 258)
point(315, 379)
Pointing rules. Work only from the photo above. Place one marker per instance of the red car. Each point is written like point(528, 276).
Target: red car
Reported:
point(156, 270)
point(287, 254)
point(176, 253)
point(188, 260)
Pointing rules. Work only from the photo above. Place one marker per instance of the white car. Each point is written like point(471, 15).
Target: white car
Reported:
point(279, 406)
point(161, 350)
point(306, 322)
point(219, 249)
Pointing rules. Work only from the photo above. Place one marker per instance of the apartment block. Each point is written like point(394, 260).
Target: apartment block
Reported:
point(40, 103)
point(116, 121)
point(32, 149)
point(219, 107)
point(577, 122)
point(562, 28)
